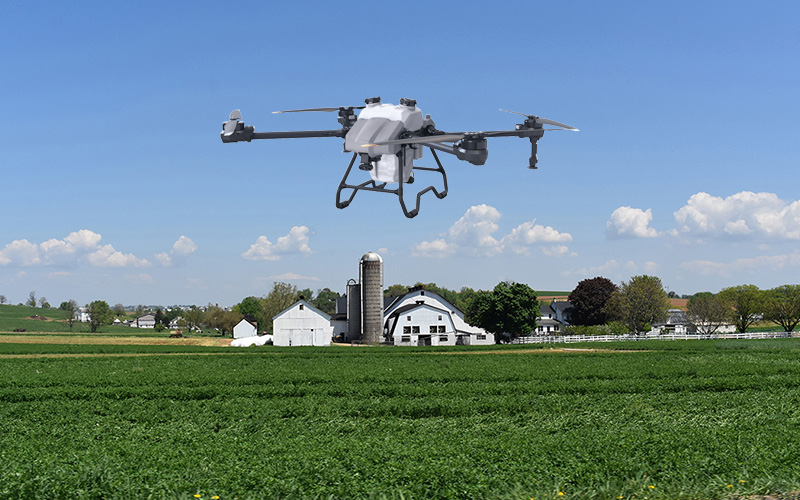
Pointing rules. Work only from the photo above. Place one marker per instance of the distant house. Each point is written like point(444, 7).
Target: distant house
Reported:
point(553, 317)
point(247, 327)
point(82, 314)
point(145, 321)
point(422, 317)
point(301, 324)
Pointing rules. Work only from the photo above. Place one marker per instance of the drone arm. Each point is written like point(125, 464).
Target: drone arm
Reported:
point(300, 134)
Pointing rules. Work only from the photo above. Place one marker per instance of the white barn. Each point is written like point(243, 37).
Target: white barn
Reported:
point(301, 324)
point(244, 328)
point(145, 321)
point(421, 317)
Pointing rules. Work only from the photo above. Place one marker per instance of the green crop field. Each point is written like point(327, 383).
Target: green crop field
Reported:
point(656, 420)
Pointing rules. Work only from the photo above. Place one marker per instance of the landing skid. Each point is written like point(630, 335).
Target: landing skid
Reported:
point(371, 185)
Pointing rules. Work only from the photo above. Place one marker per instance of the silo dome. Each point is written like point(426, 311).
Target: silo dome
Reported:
point(371, 257)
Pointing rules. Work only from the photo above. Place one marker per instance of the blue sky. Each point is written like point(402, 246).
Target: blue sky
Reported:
point(117, 187)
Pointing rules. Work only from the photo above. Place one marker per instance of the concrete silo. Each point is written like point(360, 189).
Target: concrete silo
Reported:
point(353, 311)
point(371, 280)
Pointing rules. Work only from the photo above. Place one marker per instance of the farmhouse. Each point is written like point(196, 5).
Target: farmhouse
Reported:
point(301, 324)
point(553, 317)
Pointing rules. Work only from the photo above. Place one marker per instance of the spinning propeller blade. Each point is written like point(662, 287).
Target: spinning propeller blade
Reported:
point(327, 110)
point(542, 121)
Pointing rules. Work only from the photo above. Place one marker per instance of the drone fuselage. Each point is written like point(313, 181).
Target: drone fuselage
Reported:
point(385, 122)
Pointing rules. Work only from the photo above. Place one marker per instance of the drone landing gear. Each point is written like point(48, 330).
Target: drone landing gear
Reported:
point(371, 185)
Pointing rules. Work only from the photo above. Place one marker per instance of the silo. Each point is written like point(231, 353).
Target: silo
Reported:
point(353, 311)
point(371, 274)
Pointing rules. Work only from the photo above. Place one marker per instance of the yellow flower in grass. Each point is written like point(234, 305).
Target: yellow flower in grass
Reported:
point(561, 493)
point(742, 481)
point(652, 487)
point(730, 486)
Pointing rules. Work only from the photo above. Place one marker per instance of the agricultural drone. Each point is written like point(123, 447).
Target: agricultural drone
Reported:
point(388, 138)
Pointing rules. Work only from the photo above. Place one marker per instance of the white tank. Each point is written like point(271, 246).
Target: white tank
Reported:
point(384, 122)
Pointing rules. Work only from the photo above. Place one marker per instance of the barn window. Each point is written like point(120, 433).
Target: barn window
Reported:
point(440, 317)
point(405, 338)
point(301, 307)
point(415, 329)
point(481, 336)
point(406, 329)
point(408, 318)
point(441, 328)
point(443, 338)
point(433, 329)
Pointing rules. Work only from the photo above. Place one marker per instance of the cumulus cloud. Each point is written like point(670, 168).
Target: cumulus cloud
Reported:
point(628, 222)
point(296, 242)
point(78, 246)
point(108, 256)
point(744, 214)
point(180, 250)
point(473, 234)
point(140, 279)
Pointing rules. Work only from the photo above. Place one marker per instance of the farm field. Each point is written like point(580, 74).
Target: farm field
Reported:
point(693, 420)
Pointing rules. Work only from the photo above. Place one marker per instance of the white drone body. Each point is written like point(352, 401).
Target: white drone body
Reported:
point(385, 122)
point(388, 138)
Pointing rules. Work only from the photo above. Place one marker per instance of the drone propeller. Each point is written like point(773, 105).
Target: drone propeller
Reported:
point(328, 110)
point(229, 127)
point(542, 121)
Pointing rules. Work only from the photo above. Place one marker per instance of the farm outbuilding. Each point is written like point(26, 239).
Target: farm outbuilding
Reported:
point(245, 328)
point(301, 324)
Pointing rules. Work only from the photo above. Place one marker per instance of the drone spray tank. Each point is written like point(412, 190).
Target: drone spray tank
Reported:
point(382, 122)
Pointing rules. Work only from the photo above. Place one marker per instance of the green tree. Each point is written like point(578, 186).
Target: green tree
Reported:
point(279, 298)
point(31, 302)
point(3, 299)
point(395, 290)
point(589, 300)
point(99, 314)
point(509, 309)
point(708, 312)
point(71, 307)
point(222, 320)
point(747, 302)
point(325, 300)
point(307, 294)
point(193, 317)
point(639, 303)
point(782, 306)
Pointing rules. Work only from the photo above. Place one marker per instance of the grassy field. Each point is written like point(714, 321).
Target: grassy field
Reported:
point(693, 420)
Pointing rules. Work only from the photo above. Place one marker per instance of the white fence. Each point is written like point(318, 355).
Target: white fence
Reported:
point(569, 339)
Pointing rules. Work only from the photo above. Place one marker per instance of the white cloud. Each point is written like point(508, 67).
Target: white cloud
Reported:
point(182, 248)
point(628, 222)
point(473, 234)
point(20, 252)
point(77, 246)
point(742, 214)
point(296, 242)
point(294, 277)
point(107, 256)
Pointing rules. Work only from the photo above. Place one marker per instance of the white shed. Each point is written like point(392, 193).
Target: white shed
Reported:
point(301, 324)
point(244, 328)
